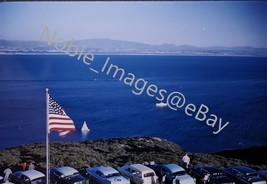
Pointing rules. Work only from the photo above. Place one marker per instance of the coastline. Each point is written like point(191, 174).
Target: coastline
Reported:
point(130, 54)
point(120, 151)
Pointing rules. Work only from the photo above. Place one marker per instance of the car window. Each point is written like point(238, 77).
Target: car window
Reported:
point(236, 171)
point(179, 173)
point(17, 174)
point(149, 174)
point(128, 169)
point(41, 180)
point(25, 179)
point(112, 175)
point(168, 173)
point(203, 171)
point(199, 171)
point(57, 173)
point(252, 174)
point(163, 171)
point(136, 173)
point(100, 173)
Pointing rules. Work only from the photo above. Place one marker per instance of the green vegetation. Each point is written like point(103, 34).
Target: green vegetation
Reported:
point(113, 152)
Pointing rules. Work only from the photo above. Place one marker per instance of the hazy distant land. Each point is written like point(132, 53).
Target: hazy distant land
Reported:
point(108, 46)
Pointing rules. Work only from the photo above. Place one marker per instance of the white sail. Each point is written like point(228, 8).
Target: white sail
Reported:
point(161, 104)
point(85, 127)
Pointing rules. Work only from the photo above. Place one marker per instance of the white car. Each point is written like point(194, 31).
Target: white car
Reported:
point(105, 175)
point(28, 177)
point(139, 174)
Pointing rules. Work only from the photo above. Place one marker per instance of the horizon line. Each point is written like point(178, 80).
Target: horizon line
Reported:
point(137, 42)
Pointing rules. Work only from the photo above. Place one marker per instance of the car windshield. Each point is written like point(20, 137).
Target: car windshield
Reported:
point(41, 180)
point(17, 174)
point(179, 173)
point(112, 175)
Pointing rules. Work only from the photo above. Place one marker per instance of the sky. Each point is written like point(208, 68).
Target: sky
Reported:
point(197, 23)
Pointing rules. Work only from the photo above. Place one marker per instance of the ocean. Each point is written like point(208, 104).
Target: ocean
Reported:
point(234, 88)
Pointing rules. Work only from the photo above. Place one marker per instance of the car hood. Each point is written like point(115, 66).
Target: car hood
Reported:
point(118, 180)
point(185, 179)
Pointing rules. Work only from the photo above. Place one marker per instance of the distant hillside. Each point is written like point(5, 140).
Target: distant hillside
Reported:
point(109, 46)
point(115, 152)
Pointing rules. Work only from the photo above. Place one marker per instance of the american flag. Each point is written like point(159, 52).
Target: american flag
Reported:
point(58, 119)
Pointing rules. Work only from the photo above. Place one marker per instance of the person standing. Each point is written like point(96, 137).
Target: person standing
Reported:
point(24, 165)
point(31, 166)
point(175, 180)
point(206, 178)
point(163, 178)
point(7, 172)
point(186, 160)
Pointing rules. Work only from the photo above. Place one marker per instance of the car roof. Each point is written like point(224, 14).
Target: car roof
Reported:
point(141, 168)
point(173, 167)
point(67, 171)
point(105, 170)
point(17, 173)
point(211, 169)
point(33, 174)
point(244, 169)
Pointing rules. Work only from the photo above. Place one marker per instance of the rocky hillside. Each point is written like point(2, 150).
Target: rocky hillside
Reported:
point(113, 152)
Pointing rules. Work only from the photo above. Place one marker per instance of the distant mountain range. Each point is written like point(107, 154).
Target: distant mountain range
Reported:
point(108, 46)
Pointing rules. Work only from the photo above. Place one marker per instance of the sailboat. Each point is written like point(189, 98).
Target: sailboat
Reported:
point(161, 104)
point(85, 127)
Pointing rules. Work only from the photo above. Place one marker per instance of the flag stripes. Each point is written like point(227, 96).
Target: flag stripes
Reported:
point(58, 120)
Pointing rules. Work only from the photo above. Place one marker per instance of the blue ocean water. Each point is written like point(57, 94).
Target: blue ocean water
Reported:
point(234, 88)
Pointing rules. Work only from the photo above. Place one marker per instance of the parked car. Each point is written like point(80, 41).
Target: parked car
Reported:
point(138, 174)
point(27, 177)
point(104, 175)
point(243, 174)
point(263, 174)
point(216, 176)
point(66, 175)
point(172, 172)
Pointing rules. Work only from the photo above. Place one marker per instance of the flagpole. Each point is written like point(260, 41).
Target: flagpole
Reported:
point(47, 138)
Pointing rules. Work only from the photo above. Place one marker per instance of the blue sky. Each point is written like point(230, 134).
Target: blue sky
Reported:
point(192, 23)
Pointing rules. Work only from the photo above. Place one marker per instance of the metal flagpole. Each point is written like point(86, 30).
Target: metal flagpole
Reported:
point(47, 138)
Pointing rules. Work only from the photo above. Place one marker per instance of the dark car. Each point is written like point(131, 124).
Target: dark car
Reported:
point(215, 175)
point(172, 172)
point(263, 174)
point(66, 175)
point(244, 175)
point(27, 177)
